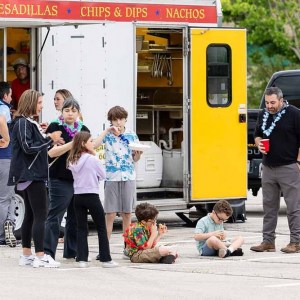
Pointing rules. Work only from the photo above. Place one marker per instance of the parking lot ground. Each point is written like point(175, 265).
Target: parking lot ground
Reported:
point(252, 276)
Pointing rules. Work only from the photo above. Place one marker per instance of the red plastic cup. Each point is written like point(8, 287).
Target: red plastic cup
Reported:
point(266, 144)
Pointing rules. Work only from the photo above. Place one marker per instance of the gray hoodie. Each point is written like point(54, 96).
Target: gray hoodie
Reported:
point(87, 173)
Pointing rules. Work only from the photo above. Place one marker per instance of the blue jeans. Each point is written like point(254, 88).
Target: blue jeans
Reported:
point(7, 193)
point(61, 194)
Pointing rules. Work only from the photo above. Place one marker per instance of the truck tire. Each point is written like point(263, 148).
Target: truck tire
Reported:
point(19, 215)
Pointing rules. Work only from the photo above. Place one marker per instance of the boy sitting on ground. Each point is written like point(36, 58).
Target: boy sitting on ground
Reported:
point(210, 234)
point(142, 237)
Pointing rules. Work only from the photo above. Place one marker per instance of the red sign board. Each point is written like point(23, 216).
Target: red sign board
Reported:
point(106, 11)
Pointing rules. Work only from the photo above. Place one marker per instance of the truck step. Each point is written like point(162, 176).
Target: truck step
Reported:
point(166, 204)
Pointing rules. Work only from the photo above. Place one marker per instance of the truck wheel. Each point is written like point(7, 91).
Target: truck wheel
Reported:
point(19, 215)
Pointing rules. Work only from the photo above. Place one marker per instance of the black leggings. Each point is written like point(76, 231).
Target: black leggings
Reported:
point(82, 204)
point(35, 198)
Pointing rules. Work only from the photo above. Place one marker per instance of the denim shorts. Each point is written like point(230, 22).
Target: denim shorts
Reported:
point(206, 251)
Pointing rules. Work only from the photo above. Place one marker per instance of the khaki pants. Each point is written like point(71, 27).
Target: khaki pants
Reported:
point(146, 256)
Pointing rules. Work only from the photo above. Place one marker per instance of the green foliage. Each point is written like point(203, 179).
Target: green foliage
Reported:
point(273, 33)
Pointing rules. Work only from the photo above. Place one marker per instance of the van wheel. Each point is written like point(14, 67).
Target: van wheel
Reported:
point(19, 215)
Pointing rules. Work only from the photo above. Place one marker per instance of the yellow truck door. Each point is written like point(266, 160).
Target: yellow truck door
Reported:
point(218, 128)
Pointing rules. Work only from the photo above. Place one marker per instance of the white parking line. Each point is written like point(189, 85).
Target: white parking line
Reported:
point(282, 285)
point(78, 269)
point(283, 256)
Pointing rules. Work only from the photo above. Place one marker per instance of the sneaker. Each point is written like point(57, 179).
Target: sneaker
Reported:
point(264, 247)
point(45, 261)
point(69, 258)
point(168, 259)
point(83, 264)
point(2, 243)
point(291, 248)
point(228, 253)
point(9, 234)
point(26, 260)
point(222, 252)
point(110, 264)
point(237, 252)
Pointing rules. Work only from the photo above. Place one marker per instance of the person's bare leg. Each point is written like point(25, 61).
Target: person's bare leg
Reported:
point(109, 218)
point(27, 251)
point(214, 243)
point(126, 220)
point(237, 242)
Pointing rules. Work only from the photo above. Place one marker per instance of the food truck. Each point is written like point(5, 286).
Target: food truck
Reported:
point(180, 75)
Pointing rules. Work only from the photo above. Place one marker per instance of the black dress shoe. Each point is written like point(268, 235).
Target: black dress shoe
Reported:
point(98, 257)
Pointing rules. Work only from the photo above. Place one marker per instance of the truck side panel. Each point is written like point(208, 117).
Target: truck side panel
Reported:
point(99, 73)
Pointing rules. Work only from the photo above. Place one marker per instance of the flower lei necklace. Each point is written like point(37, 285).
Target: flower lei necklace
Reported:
point(71, 130)
point(268, 131)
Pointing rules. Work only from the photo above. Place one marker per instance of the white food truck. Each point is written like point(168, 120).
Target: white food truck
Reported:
point(180, 75)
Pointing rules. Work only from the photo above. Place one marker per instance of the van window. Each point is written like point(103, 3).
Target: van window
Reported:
point(218, 61)
point(289, 84)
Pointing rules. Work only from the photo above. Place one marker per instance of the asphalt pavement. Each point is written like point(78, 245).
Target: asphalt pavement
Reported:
point(252, 276)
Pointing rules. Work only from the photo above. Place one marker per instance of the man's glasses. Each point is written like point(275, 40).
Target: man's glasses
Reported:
point(220, 219)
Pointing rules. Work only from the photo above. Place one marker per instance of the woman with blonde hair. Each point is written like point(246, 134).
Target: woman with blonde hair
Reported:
point(29, 172)
point(59, 98)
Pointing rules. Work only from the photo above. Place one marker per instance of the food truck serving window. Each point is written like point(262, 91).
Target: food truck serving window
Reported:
point(218, 61)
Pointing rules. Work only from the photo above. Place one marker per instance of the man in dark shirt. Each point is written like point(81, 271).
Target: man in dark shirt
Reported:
point(280, 123)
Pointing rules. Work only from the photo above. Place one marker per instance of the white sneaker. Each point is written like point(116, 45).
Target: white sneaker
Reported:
point(71, 258)
point(110, 264)
point(222, 252)
point(83, 264)
point(26, 260)
point(45, 261)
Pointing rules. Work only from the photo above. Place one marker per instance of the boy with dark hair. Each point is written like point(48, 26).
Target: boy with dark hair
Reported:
point(142, 237)
point(119, 191)
point(210, 234)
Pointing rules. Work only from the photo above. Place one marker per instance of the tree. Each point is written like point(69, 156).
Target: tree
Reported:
point(273, 28)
